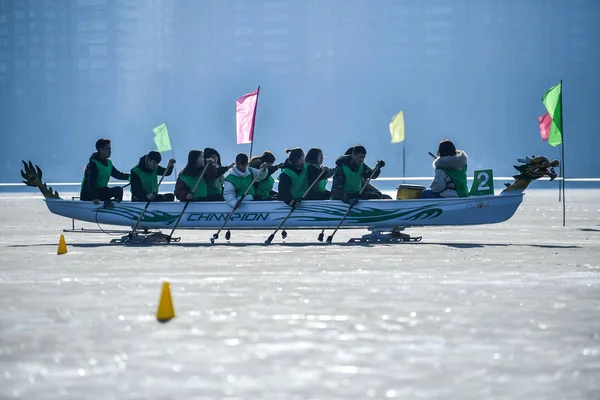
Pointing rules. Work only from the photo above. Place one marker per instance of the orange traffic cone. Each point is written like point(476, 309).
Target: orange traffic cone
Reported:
point(62, 246)
point(165, 310)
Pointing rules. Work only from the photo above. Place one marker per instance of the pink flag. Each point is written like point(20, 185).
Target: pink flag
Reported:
point(545, 122)
point(245, 111)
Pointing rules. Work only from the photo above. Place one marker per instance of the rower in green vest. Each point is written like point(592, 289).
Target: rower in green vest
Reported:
point(240, 179)
point(188, 177)
point(450, 173)
point(99, 170)
point(293, 180)
point(314, 167)
point(350, 175)
point(144, 178)
point(214, 186)
point(263, 190)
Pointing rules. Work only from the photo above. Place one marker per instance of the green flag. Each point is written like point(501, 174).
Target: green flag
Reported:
point(552, 100)
point(161, 138)
point(397, 127)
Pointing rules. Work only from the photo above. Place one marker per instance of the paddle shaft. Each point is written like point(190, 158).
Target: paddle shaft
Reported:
point(330, 238)
point(216, 235)
point(186, 204)
point(431, 154)
point(302, 198)
point(154, 193)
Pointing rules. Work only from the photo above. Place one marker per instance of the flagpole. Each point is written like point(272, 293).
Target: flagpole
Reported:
point(253, 122)
point(403, 159)
point(172, 150)
point(562, 154)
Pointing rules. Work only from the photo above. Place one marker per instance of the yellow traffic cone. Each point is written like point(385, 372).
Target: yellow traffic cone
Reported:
point(62, 245)
point(165, 310)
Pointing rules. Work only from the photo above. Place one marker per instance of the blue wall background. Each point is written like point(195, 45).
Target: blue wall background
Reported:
point(332, 74)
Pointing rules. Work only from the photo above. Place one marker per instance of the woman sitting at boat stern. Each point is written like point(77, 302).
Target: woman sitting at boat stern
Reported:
point(314, 167)
point(450, 173)
point(188, 177)
point(263, 190)
point(144, 178)
point(293, 180)
point(240, 179)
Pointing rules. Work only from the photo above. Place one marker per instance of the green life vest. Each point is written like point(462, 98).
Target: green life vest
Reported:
point(190, 182)
point(459, 178)
point(299, 182)
point(149, 179)
point(104, 172)
point(215, 186)
point(321, 185)
point(241, 184)
point(353, 180)
point(264, 187)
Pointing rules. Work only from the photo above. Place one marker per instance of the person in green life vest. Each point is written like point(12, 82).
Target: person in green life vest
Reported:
point(293, 180)
point(450, 178)
point(314, 167)
point(350, 174)
point(144, 178)
point(240, 179)
point(263, 190)
point(98, 171)
point(371, 192)
point(214, 185)
point(188, 177)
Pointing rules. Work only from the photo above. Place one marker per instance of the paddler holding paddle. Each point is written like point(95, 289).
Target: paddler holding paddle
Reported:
point(293, 180)
point(350, 173)
point(239, 184)
point(144, 178)
point(98, 172)
point(188, 177)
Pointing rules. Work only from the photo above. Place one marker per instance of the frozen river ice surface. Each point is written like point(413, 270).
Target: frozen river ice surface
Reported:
point(507, 311)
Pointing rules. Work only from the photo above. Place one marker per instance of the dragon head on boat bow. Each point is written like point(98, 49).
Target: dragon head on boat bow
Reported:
point(32, 176)
point(531, 169)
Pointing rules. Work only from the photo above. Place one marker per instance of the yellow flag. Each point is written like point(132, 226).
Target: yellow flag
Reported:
point(397, 127)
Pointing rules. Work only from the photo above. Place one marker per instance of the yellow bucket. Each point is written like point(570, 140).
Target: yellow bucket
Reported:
point(406, 192)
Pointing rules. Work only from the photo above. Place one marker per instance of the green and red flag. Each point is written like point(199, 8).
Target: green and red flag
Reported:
point(552, 100)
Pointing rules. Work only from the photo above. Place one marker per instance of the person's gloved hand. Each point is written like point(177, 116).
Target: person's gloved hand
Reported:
point(280, 165)
point(295, 204)
point(381, 163)
point(353, 201)
point(172, 161)
point(238, 204)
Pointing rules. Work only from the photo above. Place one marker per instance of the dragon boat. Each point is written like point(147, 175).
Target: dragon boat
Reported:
point(386, 219)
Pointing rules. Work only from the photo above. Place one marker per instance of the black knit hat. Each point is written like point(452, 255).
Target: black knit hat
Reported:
point(154, 156)
point(268, 157)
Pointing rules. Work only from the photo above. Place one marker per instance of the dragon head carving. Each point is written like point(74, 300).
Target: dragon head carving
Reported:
point(33, 177)
point(531, 169)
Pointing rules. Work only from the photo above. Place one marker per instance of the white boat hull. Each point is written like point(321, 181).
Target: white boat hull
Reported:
point(371, 214)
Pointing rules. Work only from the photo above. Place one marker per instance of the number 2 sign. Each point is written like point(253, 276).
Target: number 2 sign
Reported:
point(483, 183)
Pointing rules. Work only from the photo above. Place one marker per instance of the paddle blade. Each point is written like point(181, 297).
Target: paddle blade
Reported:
point(321, 236)
point(270, 239)
point(329, 239)
point(212, 240)
point(284, 234)
point(228, 235)
point(215, 236)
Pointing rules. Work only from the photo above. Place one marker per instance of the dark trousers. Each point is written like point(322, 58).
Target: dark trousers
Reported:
point(214, 197)
point(108, 193)
point(326, 195)
point(430, 194)
point(159, 198)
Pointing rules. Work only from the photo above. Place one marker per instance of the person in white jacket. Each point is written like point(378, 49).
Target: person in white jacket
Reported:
point(241, 178)
point(450, 178)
